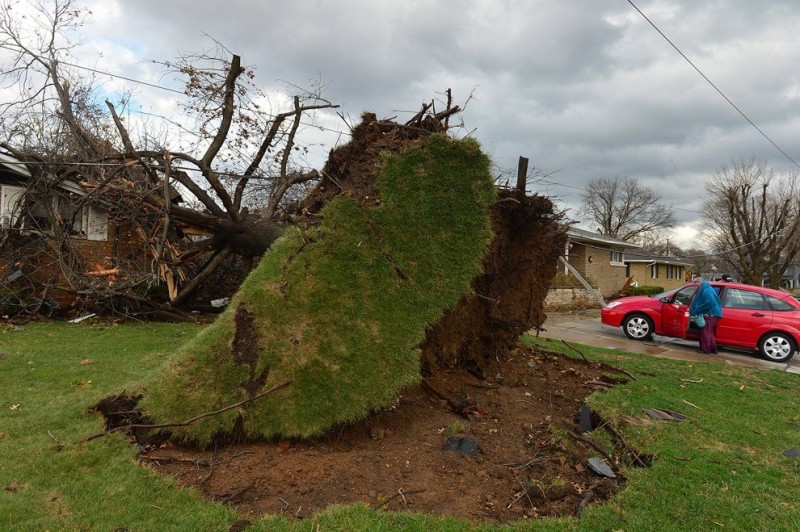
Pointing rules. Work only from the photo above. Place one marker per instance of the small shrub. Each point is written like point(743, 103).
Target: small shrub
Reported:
point(457, 427)
point(644, 290)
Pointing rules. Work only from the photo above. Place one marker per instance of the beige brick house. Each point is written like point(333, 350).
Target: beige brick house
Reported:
point(600, 259)
point(649, 269)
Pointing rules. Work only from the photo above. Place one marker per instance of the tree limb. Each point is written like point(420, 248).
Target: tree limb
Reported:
point(190, 421)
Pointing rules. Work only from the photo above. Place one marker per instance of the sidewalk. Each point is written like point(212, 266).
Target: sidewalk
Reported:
point(585, 328)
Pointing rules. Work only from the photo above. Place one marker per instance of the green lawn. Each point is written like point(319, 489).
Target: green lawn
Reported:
point(723, 468)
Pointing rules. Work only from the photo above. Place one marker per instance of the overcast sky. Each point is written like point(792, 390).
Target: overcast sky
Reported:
point(584, 88)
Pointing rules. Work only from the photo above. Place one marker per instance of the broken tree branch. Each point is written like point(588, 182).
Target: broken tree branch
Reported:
point(400, 493)
point(188, 421)
point(576, 350)
point(596, 446)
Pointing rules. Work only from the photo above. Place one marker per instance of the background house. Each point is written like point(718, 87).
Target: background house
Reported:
point(599, 259)
point(650, 269)
point(34, 227)
point(85, 222)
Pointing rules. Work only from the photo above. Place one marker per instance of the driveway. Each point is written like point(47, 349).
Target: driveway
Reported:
point(585, 328)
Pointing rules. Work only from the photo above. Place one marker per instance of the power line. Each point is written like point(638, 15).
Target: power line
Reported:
point(156, 86)
point(713, 85)
point(123, 77)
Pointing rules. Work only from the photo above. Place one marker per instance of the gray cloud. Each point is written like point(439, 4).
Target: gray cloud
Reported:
point(584, 88)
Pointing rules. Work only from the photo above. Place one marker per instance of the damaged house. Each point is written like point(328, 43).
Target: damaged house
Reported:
point(60, 242)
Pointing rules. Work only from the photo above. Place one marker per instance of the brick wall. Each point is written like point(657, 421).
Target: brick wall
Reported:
point(606, 277)
point(569, 297)
point(98, 253)
point(40, 261)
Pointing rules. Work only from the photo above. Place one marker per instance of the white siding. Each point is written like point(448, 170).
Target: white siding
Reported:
point(96, 224)
point(10, 204)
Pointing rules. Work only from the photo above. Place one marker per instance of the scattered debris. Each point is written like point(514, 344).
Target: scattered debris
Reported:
point(585, 420)
point(462, 446)
point(82, 318)
point(219, 303)
point(58, 444)
point(316, 473)
point(601, 467)
point(576, 350)
point(663, 414)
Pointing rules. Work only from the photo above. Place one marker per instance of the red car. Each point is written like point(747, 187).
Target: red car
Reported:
point(753, 317)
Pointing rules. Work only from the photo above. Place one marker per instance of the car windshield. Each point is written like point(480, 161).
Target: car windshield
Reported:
point(668, 294)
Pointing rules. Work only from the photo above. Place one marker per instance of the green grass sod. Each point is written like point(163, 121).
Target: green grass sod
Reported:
point(49, 374)
point(722, 468)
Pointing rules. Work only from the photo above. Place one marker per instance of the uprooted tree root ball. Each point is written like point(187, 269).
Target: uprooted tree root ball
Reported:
point(387, 324)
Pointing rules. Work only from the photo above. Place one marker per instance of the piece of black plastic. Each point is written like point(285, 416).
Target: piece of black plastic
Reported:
point(585, 420)
point(462, 446)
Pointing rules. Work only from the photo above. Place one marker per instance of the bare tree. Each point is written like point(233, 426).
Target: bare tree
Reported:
point(234, 143)
point(660, 242)
point(699, 258)
point(752, 218)
point(624, 209)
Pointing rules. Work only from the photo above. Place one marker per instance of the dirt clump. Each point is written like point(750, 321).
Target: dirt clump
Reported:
point(515, 454)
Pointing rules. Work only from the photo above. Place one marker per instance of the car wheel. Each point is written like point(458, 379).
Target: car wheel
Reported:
point(777, 347)
point(638, 327)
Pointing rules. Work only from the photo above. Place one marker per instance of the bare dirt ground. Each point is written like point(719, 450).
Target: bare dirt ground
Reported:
point(522, 422)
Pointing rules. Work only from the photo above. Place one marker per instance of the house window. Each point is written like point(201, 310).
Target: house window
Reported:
point(616, 256)
point(674, 271)
point(654, 271)
point(39, 216)
point(70, 217)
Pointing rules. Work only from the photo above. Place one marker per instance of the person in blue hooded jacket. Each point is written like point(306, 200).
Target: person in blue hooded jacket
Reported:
point(706, 303)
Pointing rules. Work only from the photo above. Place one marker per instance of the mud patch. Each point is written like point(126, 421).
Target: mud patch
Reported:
point(244, 350)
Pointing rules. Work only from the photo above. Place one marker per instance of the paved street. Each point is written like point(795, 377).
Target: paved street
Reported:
point(585, 328)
